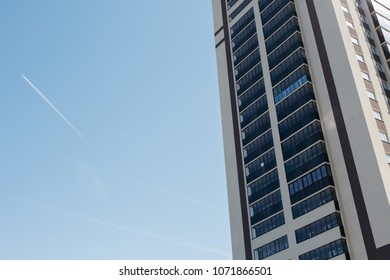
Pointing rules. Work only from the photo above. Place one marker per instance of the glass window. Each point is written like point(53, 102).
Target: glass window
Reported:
point(384, 137)
point(322, 225)
point(313, 202)
point(247, 64)
point(239, 9)
point(245, 49)
point(328, 251)
point(355, 41)
point(286, 67)
point(358, 3)
point(285, 49)
point(249, 79)
point(247, 98)
point(369, 35)
point(377, 115)
point(258, 147)
point(302, 140)
point(283, 33)
point(297, 120)
point(256, 128)
point(279, 19)
point(266, 207)
point(360, 57)
point(271, 10)
point(231, 3)
point(371, 95)
point(365, 76)
point(241, 23)
point(388, 158)
point(305, 161)
point(263, 186)
point(268, 225)
point(350, 24)
point(271, 248)
point(345, 9)
point(243, 36)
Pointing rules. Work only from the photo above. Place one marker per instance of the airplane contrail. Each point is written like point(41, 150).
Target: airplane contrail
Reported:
point(54, 108)
point(131, 230)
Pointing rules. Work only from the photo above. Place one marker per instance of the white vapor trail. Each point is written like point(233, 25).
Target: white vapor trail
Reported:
point(121, 227)
point(54, 108)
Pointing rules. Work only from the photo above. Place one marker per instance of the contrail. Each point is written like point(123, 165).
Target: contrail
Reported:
point(120, 227)
point(54, 108)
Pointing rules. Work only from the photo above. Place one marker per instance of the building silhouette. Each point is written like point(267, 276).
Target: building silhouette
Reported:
point(304, 91)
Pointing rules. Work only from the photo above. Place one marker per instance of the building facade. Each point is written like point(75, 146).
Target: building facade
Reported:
point(304, 91)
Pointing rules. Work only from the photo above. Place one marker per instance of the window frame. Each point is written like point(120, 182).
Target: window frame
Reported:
point(345, 9)
point(377, 115)
point(355, 41)
point(350, 24)
point(371, 95)
point(384, 136)
point(360, 57)
point(365, 76)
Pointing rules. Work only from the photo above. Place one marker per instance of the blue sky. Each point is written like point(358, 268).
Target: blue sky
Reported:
point(138, 80)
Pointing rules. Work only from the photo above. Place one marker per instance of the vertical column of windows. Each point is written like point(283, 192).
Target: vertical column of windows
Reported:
point(306, 162)
point(381, 17)
point(382, 33)
point(379, 21)
point(259, 156)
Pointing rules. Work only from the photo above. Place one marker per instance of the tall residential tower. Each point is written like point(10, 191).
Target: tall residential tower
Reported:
point(304, 90)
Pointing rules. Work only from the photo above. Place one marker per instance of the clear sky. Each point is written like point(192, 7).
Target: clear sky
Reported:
point(133, 168)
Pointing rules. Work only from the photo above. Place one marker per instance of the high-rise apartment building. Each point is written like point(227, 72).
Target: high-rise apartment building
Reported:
point(304, 90)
